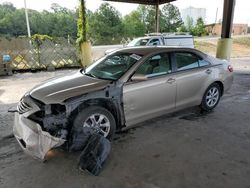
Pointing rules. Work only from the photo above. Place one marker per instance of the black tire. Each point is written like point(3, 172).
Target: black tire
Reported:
point(86, 113)
point(204, 104)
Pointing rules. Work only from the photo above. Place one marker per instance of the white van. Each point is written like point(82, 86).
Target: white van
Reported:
point(161, 39)
point(164, 39)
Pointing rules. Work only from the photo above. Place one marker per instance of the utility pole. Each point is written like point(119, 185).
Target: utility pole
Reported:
point(216, 15)
point(27, 19)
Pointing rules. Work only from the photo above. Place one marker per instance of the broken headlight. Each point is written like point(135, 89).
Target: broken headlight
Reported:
point(23, 106)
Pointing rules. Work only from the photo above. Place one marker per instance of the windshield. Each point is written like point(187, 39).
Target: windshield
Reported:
point(138, 42)
point(112, 67)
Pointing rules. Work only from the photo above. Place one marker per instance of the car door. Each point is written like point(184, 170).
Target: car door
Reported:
point(192, 76)
point(151, 97)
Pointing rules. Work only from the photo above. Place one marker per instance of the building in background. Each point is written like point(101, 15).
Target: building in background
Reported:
point(193, 14)
point(238, 29)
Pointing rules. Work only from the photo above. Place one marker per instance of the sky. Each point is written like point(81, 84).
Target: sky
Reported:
point(242, 8)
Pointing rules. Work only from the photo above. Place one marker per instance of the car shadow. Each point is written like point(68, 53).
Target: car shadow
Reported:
point(188, 114)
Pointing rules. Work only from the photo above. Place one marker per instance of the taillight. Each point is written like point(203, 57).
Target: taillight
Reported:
point(230, 68)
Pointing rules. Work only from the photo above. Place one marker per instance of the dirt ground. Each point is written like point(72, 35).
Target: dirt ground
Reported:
point(240, 47)
point(185, 149)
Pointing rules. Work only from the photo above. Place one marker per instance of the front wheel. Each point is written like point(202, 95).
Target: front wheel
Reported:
point(211, 97)
point(97, 118)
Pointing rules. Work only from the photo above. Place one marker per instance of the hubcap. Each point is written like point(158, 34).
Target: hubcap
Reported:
point(99, 122)
point(212, 97)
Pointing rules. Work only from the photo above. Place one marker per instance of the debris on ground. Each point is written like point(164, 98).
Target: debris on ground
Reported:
point(95, 150)
point(95, 154)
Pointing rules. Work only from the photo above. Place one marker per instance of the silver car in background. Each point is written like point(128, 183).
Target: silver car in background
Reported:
point(118, 91)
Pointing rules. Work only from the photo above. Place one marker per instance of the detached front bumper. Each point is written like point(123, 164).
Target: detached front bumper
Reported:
point(33, 140)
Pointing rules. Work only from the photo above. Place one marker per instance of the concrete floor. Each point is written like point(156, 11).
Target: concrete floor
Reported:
point(185, 149)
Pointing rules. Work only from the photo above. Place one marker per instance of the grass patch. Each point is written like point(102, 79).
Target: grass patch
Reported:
point(242, 41)
point(240, 48)
point(206, 47)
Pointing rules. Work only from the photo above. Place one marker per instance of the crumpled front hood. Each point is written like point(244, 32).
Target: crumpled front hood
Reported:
point(58, 89)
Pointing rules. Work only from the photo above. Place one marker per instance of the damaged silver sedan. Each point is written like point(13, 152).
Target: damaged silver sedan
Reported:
point(121, 89)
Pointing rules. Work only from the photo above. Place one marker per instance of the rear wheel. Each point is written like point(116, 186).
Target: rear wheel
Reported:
point(97, 118)
point(211, 97)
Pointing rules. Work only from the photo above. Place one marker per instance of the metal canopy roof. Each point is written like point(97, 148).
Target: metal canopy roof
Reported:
point(146, 2)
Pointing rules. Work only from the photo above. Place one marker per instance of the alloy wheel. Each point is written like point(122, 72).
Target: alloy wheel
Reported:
point(99, 122)
point(212, 97)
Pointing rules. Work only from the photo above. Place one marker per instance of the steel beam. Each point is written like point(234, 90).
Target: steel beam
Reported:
point(227, 22)
point(224, 46)
point(157, 18)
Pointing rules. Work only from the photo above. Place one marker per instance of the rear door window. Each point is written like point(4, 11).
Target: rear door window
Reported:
point(185, 61)
point(203, 63)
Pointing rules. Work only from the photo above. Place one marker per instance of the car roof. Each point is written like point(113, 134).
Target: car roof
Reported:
point(165, 37)
point(147, 37)
point(146, 50)
point(139, 38)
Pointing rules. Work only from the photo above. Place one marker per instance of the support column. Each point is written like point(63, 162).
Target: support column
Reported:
point(224, 46)
point(157, 20)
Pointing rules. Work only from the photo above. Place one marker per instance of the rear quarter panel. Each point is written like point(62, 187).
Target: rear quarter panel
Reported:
point(199, 78)
point(220, 67)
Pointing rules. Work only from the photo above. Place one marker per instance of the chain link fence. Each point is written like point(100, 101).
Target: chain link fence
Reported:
point(26, 55)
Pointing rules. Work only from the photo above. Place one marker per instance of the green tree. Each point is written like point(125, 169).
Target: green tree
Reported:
point(6, 8)
point(106, 25)
point(65, 25)
point(171, 18)
point(140, 21)
point(147, 14)
point(133, 24)
point(60, 23)
point(48, 19)
point(189, 24)
point(199, 28)
point(182, 28)
point(12, 20)
point(38, 23)
point(57, 8)
point(18, 23)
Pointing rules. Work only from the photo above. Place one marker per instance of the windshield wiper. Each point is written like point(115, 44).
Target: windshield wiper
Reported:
point(91, 75)
point(94, 76)
point(82, 70)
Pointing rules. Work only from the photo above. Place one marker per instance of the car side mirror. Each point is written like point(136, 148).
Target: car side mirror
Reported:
point(138, 77)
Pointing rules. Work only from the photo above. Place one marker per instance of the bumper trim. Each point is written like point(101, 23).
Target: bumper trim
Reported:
point(32, 139)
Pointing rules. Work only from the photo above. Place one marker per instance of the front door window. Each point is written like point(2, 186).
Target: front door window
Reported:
point(157, 65)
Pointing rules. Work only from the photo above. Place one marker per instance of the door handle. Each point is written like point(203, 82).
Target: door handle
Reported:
point(208, 71)
point(171, 80)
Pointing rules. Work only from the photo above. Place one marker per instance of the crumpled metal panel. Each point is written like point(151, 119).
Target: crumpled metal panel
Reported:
point(33, 140)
